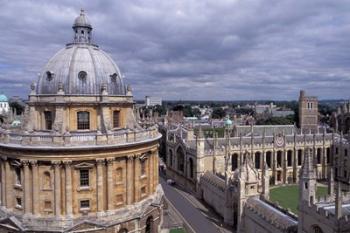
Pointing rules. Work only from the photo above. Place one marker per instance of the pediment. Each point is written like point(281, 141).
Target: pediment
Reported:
point(84, 165)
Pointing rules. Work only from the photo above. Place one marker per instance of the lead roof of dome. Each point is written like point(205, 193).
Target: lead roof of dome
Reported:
point(81, 68)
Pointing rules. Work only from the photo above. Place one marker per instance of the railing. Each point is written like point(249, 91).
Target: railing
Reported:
point(77, 139)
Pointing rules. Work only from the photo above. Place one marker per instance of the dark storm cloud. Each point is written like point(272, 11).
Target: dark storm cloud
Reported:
point(223, 49)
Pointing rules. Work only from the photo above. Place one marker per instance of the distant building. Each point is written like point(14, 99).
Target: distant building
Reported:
point(341, 119)
point(153, 101)
point(308, 112)
point(4, 104)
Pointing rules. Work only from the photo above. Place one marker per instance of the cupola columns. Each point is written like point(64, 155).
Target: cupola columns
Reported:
point(82, 29)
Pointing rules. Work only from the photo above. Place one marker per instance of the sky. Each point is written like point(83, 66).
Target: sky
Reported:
point(190, 49)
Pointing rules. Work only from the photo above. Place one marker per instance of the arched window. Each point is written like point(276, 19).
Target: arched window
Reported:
point(191, 167)
point(318, 155)
point(279, 158)
point(234, 161)
point(46, 180)
point(317, 229)
point(289, 158)
point(257, 160)
point(300, 157)
point(180, 159)
point(328, 155)
point(268, 158)
point(123, 230)
point(83, 120)
point(149, 225)
point(116, 119)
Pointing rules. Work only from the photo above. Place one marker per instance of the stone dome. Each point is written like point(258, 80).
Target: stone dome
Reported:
point(82, 20)
point(81, 68)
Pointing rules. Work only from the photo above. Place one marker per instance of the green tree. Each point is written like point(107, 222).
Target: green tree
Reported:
point(218, 113)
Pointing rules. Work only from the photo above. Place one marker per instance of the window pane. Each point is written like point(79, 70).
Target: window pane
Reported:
point(115, 119)
point(84, 177)
point(83, 120)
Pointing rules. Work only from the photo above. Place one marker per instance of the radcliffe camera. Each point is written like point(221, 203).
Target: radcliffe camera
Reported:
point(174, 116)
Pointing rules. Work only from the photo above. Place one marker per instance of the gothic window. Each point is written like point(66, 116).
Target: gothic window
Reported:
point(336, 150)
point(149, 225)
point(180, 159)
point(306, 185)
point(143, 167)
point(234, 161)
point(268, 158)
point(119, 174)
point(191, 167)
point(345, 152)
point(48, 120)
point(46, 180)
point(300, 157)
point(84, 177)
point(289, 158)
point(328, 151)
point(257, 160)
point(279, 158)
point(18, 175)
point(83, 120)
point(318, 155)
point(116, 115)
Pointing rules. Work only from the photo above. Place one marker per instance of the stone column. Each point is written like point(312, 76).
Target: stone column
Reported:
point(156, 170)
point(110, 183)
point(129, 179)
point(9, 185)
point(99, 181)
point(35, 187)
point(274, 166)
point(57, 190)
point(27, 191)
point(151, 172)
point(3, 182)
point(69, 194)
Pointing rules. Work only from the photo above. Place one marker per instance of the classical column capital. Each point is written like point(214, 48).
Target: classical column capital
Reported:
point(100, 161)
point(25, 163)
point(110, 160)
point(67, 163)
point(130, 157)
point(56, 163)
point(33, 162)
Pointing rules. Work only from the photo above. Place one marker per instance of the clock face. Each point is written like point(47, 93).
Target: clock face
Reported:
point(279, 141)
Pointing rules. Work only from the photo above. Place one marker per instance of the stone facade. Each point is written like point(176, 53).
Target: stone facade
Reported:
point(80, 162)
point(308, 113)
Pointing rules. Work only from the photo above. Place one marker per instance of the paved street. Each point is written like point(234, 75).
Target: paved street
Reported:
point(197, 215)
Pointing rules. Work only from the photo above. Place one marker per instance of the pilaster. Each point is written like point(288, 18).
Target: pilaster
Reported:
point(130, 179)
point(27, 190)
point(99, 177)
point(57, 171)
point(35, 187)
point(68, 175)
point(110, 184)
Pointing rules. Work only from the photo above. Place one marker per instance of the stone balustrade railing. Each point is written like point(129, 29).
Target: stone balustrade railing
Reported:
point(77, 139)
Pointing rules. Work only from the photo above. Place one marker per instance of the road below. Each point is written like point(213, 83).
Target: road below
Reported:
point(186, 205)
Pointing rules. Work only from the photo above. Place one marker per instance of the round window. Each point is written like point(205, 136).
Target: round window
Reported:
point(82, 75)
point(49, 75)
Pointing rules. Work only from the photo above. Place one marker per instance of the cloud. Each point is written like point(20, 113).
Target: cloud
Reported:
point(188, 49)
